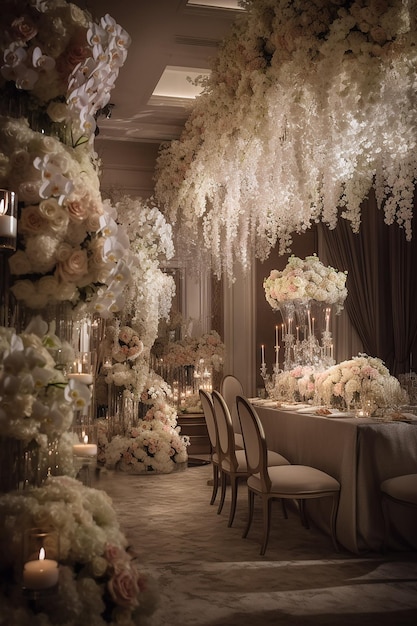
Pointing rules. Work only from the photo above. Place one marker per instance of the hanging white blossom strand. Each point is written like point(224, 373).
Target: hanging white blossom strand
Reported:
point(309, 106)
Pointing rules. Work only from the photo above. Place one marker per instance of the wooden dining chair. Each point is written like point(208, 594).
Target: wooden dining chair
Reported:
point(233, 466)
point(230, 389)
point(400, 490)
point(210, 418)
point(280, 482)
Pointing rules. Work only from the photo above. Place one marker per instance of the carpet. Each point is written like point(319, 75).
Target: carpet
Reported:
point(207, 575)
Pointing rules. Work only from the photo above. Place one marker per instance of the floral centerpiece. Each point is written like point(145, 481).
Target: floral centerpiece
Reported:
point(99, 580)
point(191, 350)
point(296, 385)
point(305, 279)
point(358, 380)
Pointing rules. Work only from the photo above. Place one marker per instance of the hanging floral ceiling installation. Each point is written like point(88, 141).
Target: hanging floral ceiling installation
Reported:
point(309, 105)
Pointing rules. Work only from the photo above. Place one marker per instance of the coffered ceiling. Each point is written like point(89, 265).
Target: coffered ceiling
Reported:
point(172, 42)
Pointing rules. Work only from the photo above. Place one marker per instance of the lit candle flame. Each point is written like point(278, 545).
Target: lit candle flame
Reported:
point(85, 438)
point(41, 554)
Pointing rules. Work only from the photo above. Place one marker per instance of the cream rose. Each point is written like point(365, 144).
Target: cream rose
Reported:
point(56, 215)
point(31, 221)
point(29, 191)
point(57, 111)
point(19, 264)
point(48, 285)
point(23, 290)
point(73, 268)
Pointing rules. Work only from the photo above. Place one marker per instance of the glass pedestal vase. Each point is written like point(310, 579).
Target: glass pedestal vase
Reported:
point(123, 411)
point(24, 465)
point(287, 310)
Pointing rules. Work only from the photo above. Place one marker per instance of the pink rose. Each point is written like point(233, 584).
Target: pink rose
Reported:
point(113, 554)
point(124, 586)
point(23, 28)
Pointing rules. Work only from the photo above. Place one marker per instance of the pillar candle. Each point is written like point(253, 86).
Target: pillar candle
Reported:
point(41, 573)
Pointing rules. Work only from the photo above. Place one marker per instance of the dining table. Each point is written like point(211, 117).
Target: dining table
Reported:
point(360, 452)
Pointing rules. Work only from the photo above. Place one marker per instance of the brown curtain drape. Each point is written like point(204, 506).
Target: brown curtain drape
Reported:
point(382, 277)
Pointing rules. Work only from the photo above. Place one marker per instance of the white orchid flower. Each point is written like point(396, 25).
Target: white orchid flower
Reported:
point(78, 394)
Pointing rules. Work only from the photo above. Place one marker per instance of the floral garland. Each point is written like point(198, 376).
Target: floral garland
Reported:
point(99, 581)
point(298, 109)
point(305, 279)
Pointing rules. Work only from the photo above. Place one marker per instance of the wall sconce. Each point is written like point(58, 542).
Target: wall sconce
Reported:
point(8, 219)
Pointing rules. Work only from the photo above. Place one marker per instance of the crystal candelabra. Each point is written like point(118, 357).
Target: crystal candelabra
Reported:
point(270, 380)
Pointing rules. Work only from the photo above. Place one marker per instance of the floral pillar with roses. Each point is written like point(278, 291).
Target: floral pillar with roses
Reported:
point(58, 66)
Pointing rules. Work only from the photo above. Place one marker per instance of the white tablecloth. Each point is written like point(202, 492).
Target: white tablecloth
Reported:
point(360, 454)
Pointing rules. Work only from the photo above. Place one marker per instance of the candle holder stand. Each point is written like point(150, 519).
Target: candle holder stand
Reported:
point(85, 468)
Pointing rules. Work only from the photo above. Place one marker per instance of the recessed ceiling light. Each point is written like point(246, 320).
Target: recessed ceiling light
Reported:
point(177, 82)
point(217, 4)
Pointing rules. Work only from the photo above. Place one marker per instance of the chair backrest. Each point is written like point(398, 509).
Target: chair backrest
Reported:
point(254, 440)
point(226, 440)
point(209, 416)
point(230, 388)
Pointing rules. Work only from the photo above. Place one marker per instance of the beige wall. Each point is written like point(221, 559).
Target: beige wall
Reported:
point(127, 165)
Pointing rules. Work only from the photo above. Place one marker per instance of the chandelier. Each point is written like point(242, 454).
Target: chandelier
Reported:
point(309, 106)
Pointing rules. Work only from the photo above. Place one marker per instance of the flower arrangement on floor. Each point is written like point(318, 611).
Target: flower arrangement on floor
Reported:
point(280, 112)
point(305, 279)
point(358, 380)
point(153, 443)
point(99, 582)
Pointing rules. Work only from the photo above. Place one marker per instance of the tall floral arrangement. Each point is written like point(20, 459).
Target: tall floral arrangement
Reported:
point(305, 279)
point(57, 70)
point(148, 295)
point(308, 106)
point(151, 443)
